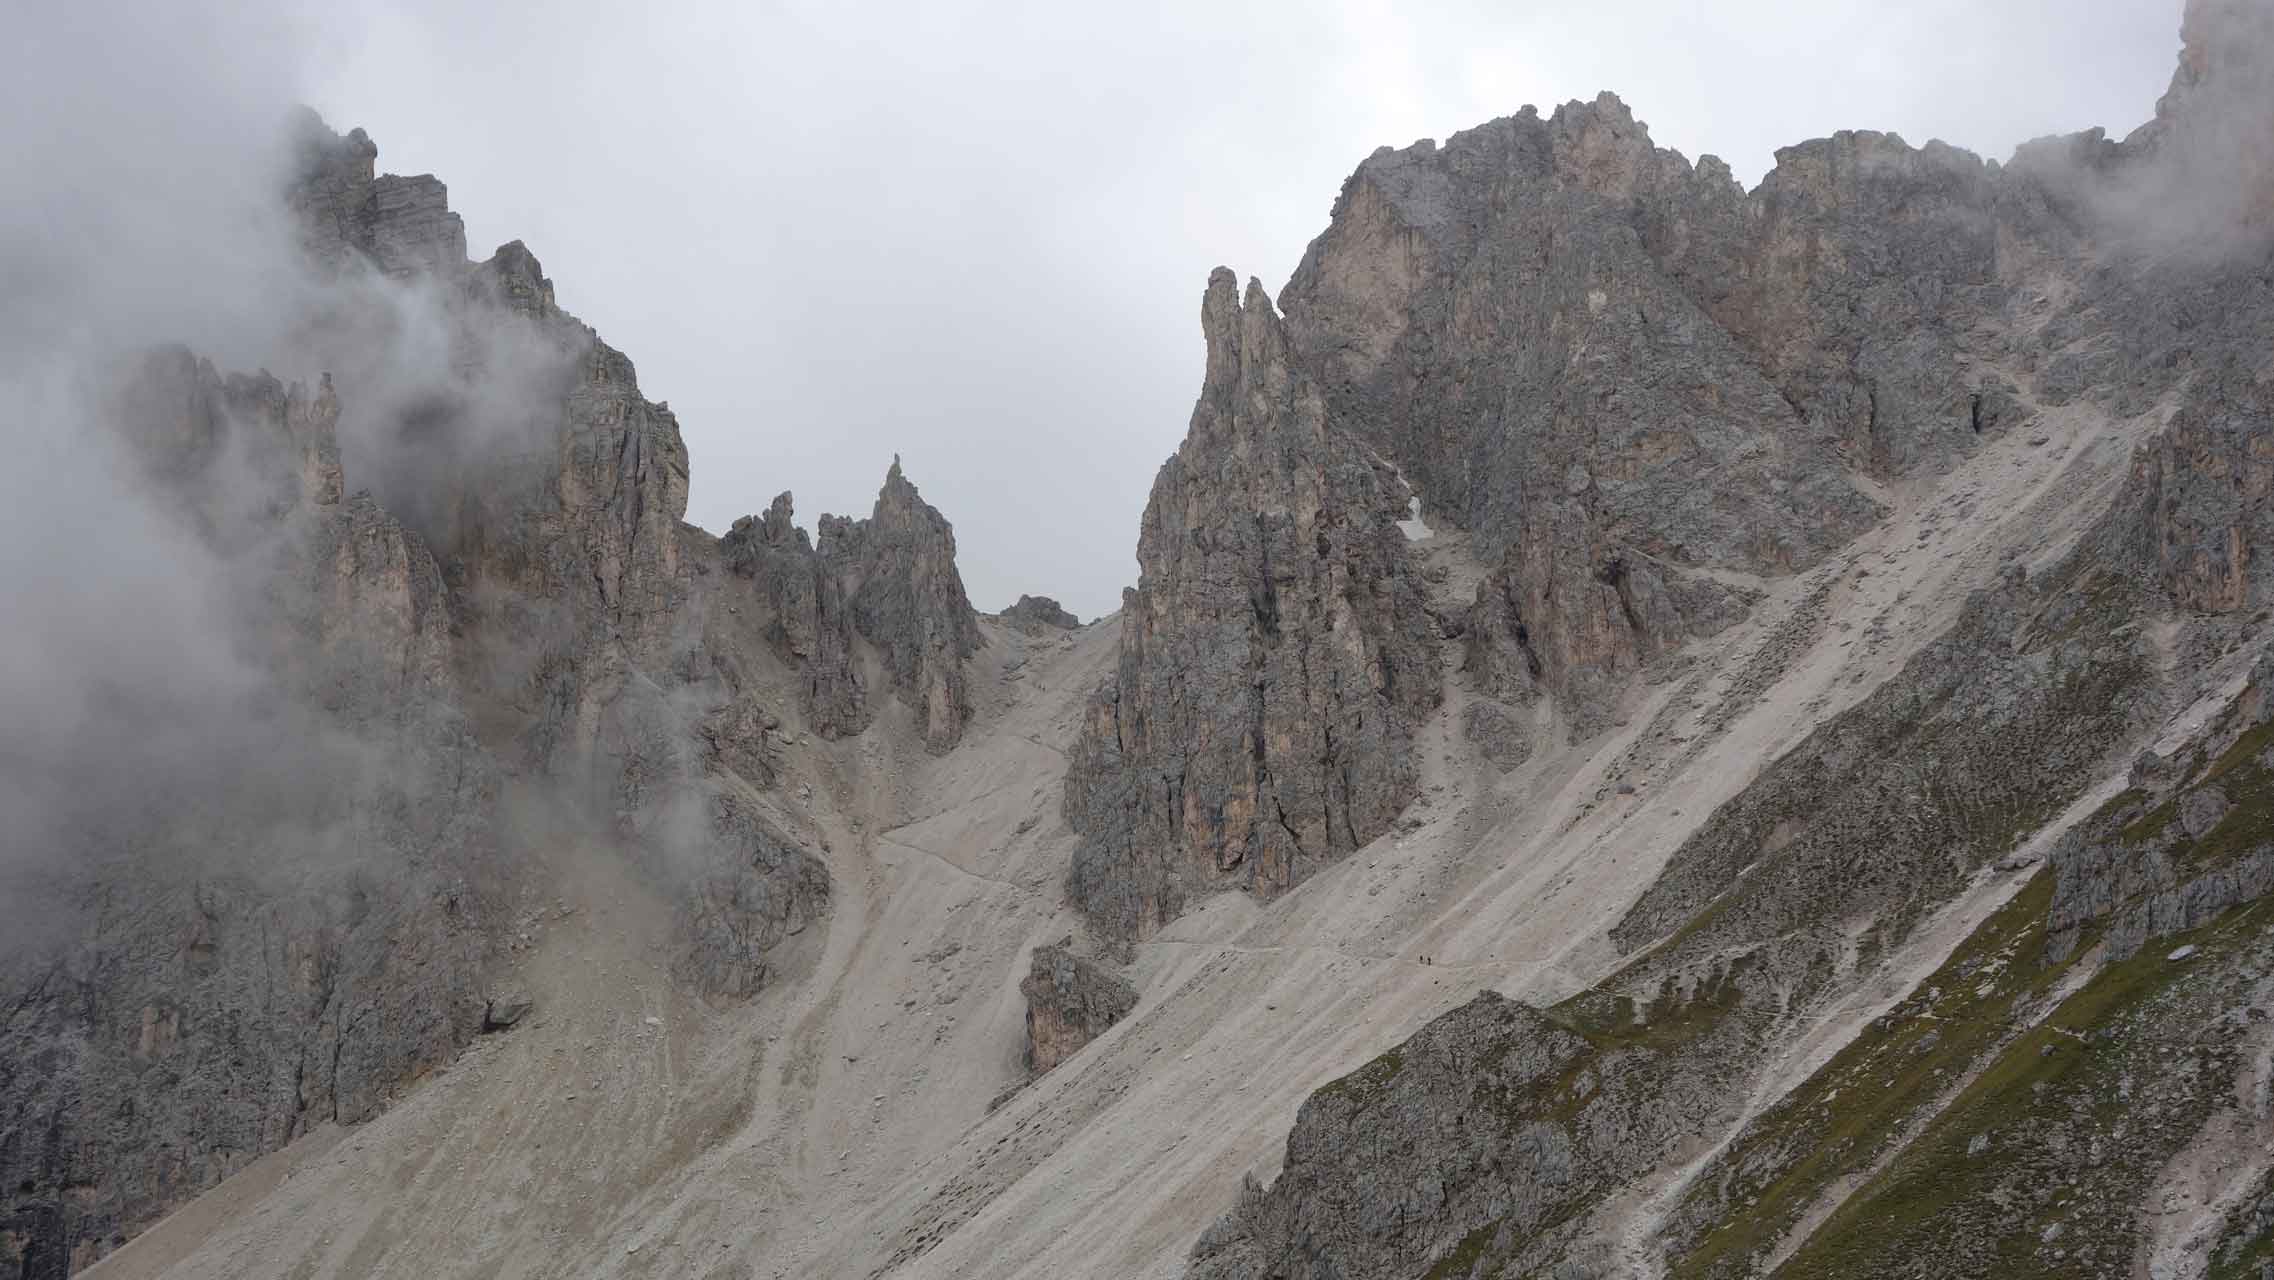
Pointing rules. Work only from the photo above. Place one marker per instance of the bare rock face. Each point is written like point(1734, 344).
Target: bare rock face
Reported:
point(1039, 613)
point(1496, 316)
point(1070, 1001)
point(2201, 497)
point(897, 569)
point(889, 580)
point(1901, 302)
point(2183, 846)
point(1436, 1156)
point(293, 910)
point(1418, 1162)
point(765, 892)
point(349, 215)
point(1275, 654)
point(2210, 185)
point(554, 493)
point(270, 902)
point(810, 626)
point(2180, 308)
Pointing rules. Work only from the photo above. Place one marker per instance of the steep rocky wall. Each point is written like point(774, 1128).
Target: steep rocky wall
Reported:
point(889, 580)
point(555, 492)
point(897, 569)
point(2136, 955)
point(1858, 832)
point(1275, 654)
point(283, 918)
point(1420, 1156)
point(1943, 1139)
point(1500, 316)
point(458, 554)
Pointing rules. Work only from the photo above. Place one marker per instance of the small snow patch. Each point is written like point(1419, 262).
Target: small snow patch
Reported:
point(1416, 529)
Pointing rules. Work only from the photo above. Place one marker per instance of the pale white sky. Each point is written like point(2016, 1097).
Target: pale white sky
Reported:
point(977, 235)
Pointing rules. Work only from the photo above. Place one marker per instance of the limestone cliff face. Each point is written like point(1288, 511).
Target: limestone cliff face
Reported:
point(898, 572)
point(1038, 614)
point(889, 580)
point(1499, 315)
point(1899, 301)
point(554, 493)
point(456, 552)
point(1431, 1155)
point(1275, 654)
point(1411, 1164)
point(2201, 498)
point(279, 922)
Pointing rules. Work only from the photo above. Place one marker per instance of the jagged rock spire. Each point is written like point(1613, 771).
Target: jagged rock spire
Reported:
point(1275, 654)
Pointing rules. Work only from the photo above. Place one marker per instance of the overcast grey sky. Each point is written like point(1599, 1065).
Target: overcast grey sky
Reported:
point(977, 235)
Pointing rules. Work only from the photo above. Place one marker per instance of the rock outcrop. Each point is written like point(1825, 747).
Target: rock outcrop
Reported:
point(1745, 932)
point(1421, 1160)
point(1039, 613)
point(1070, 1001)
point(1626, 375)
point(1275, 654)
point(270, 902)
point(555, 492)
point(456, 552)
point(1847, 1026)
point(2192, 839)
point(898, 572)
point(1511, 318)
point(808, 623)
point(1899, 301)
point(889, 580)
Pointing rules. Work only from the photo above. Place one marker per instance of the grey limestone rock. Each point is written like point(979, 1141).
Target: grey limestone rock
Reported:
point(1482, 1138)
point(1070, 1001)
point(809, 624)
point(1275, 654)
point(897, 568)
point(1497, 733)
point(1882, 291)
point(505, 1007)
point(1039, 613)
point(1503, 316)
point(293, 921)
point(277, 922)
point(889, 580)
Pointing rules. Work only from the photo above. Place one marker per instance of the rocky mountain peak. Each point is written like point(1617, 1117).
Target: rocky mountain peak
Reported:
point(897, 570)
point(1275, 654)
point(2211, 179)
point(516, 281)
point(1039, 613)
point(1784, 672)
